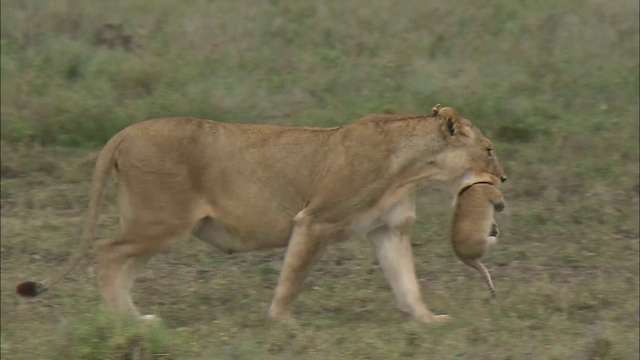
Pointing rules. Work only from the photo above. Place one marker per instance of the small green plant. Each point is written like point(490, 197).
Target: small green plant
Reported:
point(100, 336)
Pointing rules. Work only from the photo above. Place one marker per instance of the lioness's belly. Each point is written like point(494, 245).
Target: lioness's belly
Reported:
point(223, 236)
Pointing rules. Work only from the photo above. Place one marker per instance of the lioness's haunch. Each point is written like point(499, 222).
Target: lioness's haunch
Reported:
point(473, 228)
point(249, 187)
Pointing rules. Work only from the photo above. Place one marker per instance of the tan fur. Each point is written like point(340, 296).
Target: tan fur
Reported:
point(249, 187)
point(473, 228)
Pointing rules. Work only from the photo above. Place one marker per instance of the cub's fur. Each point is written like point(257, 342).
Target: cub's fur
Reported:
point(249, 187)
point(474, 229)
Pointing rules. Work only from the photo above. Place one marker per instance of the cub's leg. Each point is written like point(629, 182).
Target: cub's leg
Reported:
point(476, 264)
point(393, 249)
point(120, 260)
point(494, 232)
point(306, 246)
point(495, 196)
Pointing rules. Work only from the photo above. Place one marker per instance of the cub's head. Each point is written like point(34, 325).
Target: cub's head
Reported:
point(471, 156)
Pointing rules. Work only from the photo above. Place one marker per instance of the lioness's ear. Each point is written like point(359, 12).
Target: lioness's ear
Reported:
point(450, 120)
point(435, 110)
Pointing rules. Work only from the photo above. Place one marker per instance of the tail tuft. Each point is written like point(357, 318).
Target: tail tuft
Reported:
point(30, 289)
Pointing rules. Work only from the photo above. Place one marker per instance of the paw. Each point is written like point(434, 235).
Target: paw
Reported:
point(430, 318)
point(149, 318)
point(281, 315)
point(441, 319)
point(492, 300)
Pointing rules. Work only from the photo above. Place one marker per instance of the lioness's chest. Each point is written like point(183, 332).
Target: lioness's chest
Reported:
point(393, 210)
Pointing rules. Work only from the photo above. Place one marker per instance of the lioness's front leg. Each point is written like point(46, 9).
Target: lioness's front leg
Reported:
point(393, 249)
point(306, 246)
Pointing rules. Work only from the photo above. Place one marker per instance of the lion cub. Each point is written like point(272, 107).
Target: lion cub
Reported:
point(474, 228)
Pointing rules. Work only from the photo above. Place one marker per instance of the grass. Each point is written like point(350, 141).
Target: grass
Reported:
point(554, 84)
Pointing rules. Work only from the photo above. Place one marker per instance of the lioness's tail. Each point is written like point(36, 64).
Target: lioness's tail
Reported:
point(476, 264)
point(101, 172)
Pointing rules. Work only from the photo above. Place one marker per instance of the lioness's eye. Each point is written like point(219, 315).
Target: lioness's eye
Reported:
point(490, 152)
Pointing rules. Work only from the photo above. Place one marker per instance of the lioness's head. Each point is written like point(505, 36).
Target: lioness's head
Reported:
point(474, 151)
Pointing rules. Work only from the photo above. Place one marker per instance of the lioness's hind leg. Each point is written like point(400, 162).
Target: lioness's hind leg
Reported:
point(476, 264)
point(116, 276)
point(120, 260)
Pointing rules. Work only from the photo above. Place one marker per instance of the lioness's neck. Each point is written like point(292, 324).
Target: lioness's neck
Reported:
point(406, 151)
point(417, 150)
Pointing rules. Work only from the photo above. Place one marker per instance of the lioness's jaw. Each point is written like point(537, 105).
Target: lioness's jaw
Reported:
point(460, 183)
point(469, 178)
point(482, 177)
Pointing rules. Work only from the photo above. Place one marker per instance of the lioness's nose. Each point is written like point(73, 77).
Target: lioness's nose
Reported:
point(503, 178)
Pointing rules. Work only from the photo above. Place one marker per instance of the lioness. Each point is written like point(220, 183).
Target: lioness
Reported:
point(249, 187)
point(473, 228)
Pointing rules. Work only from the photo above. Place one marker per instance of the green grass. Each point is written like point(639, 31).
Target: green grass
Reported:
point(68, 80)
point(554, 84)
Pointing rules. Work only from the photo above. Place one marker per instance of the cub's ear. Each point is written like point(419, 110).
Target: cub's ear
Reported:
point(435, 110)
point(450, 120)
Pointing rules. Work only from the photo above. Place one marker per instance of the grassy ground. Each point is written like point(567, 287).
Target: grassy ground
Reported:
point(554, 84)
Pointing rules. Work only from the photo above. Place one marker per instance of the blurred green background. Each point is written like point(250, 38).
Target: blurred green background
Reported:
point(74, 72)
point(555, 84)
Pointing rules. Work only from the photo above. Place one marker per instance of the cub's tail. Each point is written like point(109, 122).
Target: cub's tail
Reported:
point(476, 264)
